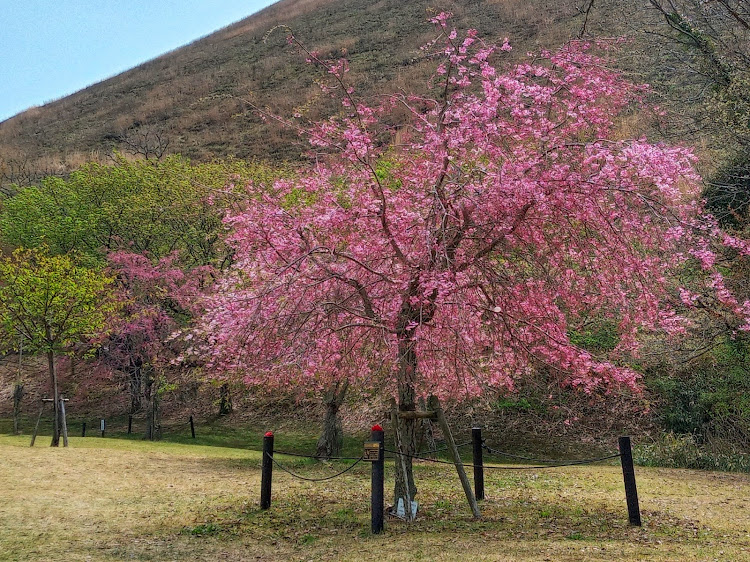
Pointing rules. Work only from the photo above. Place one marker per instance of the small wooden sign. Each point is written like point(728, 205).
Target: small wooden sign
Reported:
point(372, 451)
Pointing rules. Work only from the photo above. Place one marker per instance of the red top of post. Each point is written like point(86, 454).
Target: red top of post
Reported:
point(269, 433)
point(377, 427)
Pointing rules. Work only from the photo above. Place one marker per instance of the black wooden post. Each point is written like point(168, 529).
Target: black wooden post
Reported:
point(130, 425)
point(102, 425)
point(83, 429)
point(192, 427)
point(628, 475)
point(266, 471)
point(476, 440)
point(377, 483)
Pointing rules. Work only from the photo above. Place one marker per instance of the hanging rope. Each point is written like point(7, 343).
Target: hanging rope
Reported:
point(282, 467)
point(546, 461)
point(492, 467)
point(317, 457)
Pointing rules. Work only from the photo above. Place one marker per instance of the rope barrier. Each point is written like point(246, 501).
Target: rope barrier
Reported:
point(493, 467)
point(547, 461)
point(317, 457)
point(282, 467)
point(325, 458)
point(442, 449)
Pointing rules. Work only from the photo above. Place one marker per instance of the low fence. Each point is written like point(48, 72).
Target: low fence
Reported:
point(375, 453)
point(102, 426)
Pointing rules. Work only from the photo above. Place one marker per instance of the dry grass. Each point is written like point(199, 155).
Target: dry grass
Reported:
point(104, 499)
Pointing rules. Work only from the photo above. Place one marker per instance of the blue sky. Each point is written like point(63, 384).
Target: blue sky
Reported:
point(52, 48)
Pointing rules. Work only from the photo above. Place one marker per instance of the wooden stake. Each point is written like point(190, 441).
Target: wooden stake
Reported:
point(64, 422)
point(36, 427)
point(476, 439)
point(266, 471)
point(628, 474)
point(377, 479)
point(434, 404)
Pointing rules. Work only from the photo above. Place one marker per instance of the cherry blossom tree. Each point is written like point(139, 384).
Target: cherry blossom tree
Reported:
point(156, 297)
point(457, 252)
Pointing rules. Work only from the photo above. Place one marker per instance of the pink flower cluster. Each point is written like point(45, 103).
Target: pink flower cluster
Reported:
point(467, 256)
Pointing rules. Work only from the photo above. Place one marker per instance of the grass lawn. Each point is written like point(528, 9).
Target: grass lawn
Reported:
point(119, 499)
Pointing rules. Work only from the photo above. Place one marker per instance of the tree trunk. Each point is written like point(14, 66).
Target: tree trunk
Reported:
point(18, 391)
point(153, 416)
point(56, 398)
point(405, 435)
point(225, 400)
point(17, 397)
point(332, 439)
point(427, 435)
point(135, 384)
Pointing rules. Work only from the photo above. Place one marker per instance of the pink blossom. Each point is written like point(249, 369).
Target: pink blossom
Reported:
point(464, 258)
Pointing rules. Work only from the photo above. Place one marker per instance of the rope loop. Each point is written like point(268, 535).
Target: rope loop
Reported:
point(299, 477)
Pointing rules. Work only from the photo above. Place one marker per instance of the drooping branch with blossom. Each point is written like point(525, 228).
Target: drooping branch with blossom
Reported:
point(461, 258)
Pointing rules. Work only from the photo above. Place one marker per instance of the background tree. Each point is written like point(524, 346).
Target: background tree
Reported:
point(696, 57)
point(157, 299)
point(167, 213)
point(713, 39)
point(150, 142)
point(53, 304)
point(507, 218)
point(145, 207)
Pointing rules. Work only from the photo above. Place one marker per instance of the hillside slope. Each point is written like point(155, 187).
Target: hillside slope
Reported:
point(191, 100)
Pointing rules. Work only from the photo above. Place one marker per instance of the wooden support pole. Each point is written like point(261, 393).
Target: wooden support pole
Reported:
point(434, 404)
point(36, 427)
point(130, 425)
point(192, 427)
point(83, 429)
point(628, 474)
point(377, 481)
point(266, 471)
point(63, 422)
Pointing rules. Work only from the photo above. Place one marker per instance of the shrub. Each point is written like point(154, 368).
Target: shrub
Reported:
point(683, 451)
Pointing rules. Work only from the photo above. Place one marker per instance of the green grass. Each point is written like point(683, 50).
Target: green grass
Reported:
point(113, 499)
point(220, 433)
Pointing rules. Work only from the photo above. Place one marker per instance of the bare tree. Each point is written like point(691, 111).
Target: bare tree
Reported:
point(148, 141)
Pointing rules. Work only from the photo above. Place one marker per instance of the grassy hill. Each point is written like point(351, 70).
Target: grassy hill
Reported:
point(191, 100)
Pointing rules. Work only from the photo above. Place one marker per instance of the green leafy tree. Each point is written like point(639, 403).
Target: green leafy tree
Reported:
point(53, 303)
point(168, 210)
point(144, 207)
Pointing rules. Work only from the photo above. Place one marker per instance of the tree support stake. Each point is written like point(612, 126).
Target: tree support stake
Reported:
point(434, 404)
